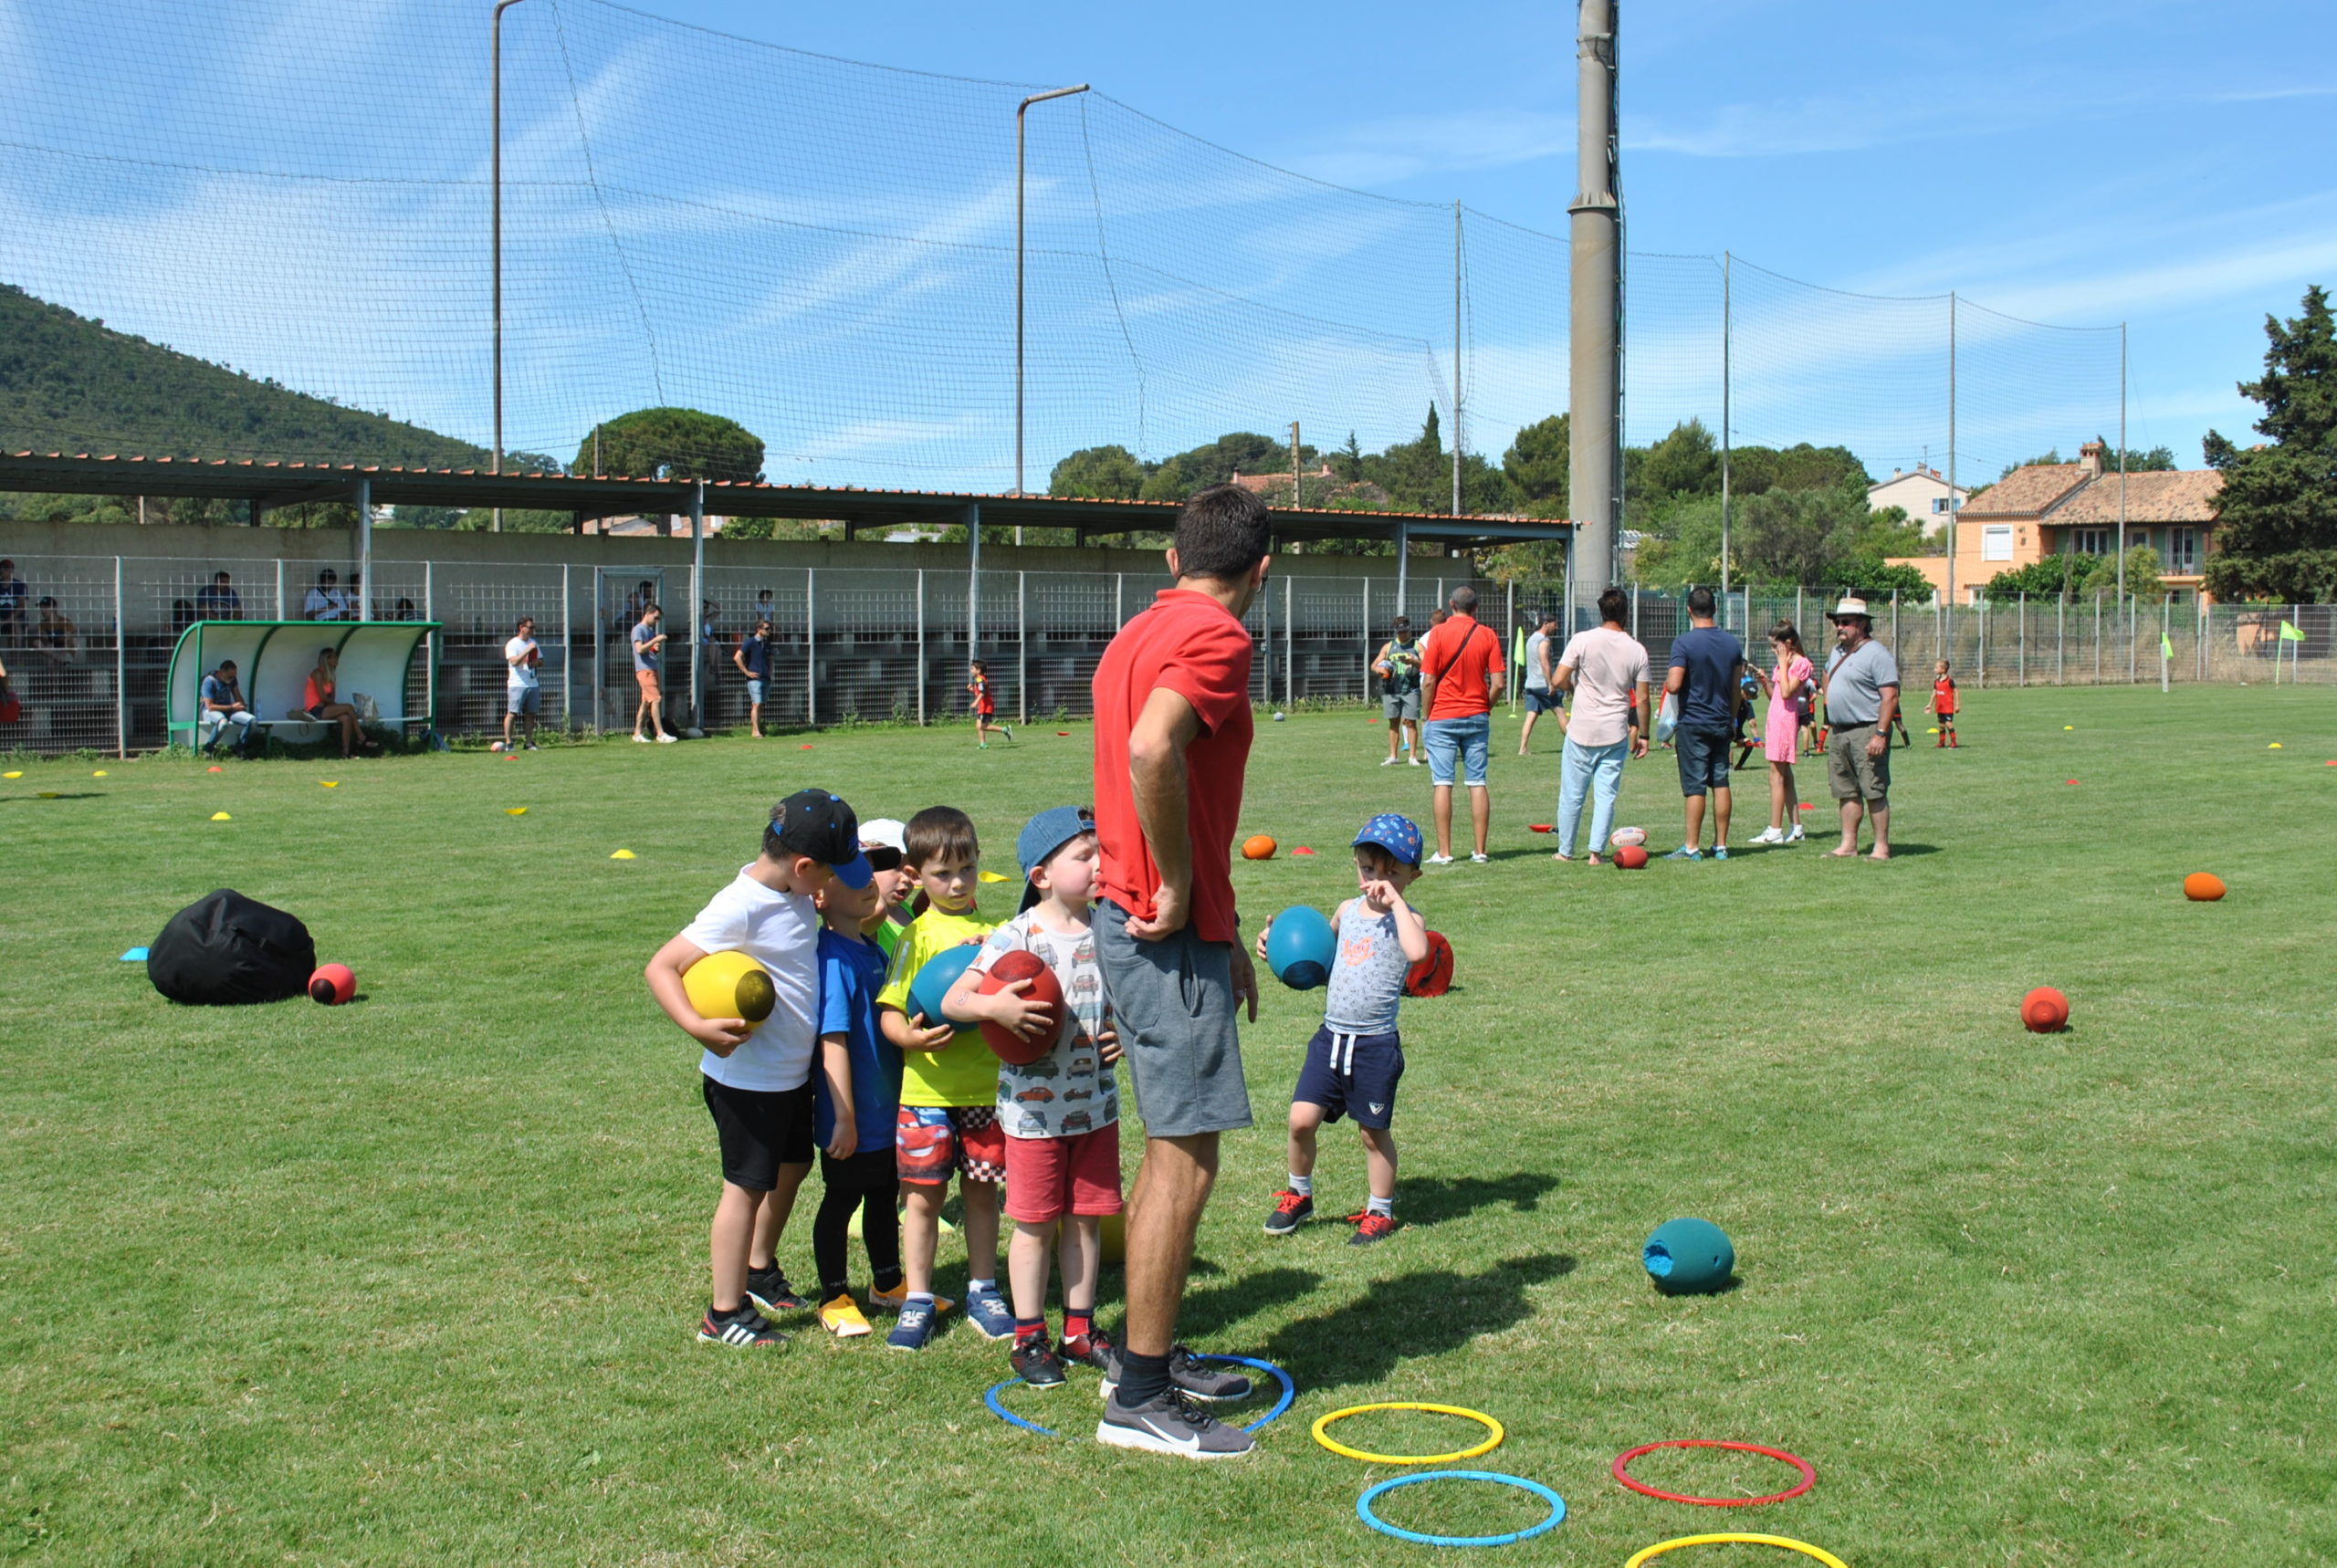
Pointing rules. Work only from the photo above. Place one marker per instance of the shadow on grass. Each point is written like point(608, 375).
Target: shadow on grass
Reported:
point(1409, 1316)
point(1207, 1315)
point(1435, 1199)
point(54, 795)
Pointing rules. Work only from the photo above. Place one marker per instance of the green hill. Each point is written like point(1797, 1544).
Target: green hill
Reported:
point(72, 384)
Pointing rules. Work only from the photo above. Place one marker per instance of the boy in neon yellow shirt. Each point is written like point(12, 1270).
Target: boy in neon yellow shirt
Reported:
point(949, 1119)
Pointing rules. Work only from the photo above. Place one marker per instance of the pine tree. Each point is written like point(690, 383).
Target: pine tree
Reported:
point(2277, 514)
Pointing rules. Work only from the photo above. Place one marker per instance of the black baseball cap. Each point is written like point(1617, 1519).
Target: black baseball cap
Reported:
point(815, 823)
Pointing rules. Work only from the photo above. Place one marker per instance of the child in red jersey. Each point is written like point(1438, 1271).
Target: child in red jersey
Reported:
point(1943, 702)
point(984, 705)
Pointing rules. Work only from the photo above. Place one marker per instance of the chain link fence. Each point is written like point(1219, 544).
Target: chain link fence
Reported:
point(88, 639)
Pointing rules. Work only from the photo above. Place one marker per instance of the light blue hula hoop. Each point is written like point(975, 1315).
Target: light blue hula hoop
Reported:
point(1289, 1392)
point(1558, 1508)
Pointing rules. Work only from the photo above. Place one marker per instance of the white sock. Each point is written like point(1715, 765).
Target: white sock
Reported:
point(924, 1298)
point(1304, 1186)
point(1385, 1205)
point(974, 1287)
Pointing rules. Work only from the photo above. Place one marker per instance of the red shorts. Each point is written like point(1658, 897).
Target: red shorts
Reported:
point(929, 1142)
point(1049, 1177)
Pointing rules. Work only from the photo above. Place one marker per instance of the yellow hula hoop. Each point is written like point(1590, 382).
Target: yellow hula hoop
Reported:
point(1487, 1447)
point(1789, 1545)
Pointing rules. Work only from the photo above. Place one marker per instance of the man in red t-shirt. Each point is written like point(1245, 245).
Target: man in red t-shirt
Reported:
point(1172, 737)
point(1460, 678)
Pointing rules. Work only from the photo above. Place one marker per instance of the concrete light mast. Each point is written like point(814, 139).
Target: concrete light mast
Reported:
point(1595, 386)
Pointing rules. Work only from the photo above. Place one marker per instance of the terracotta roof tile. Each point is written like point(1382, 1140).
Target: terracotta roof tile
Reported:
point(2025, 492)
point(2182, 496)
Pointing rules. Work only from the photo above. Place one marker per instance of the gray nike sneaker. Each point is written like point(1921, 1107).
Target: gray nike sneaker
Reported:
point(1187, 1373)
point(1172, 1423)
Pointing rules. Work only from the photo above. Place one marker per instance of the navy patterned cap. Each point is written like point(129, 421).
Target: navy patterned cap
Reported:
point(1393, 833)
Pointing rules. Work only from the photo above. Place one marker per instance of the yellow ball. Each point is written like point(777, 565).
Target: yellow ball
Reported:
point(1114, 1235)
point(729, 985)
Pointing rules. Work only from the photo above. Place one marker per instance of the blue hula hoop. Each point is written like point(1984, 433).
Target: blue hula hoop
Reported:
point(1289, 1393)
point(1558, 1508)
point(1289, 1389)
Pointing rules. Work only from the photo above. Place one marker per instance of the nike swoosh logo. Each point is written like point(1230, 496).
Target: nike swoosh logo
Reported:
point(1190, 1444)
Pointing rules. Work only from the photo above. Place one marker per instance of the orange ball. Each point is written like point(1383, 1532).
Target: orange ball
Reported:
point(2203, 887)
point(1258, 847)
point(1630, 857)
point(2045, 1010)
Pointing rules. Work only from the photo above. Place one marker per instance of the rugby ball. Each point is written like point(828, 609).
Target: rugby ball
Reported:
point(1005, 970)
point(730, 984)
point(1432, 975)
point(1622, 836)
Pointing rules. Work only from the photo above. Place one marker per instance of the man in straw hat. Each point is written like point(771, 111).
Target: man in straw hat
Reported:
point(1861, 699)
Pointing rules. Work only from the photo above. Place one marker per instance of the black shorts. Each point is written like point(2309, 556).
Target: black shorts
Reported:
point(1539, 701)
point(759, 1131)
point(1352, 1075)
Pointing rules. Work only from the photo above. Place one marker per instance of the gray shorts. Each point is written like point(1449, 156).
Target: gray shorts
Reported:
point(1394, 707)
point(1852, 773)
point(1172, 1002)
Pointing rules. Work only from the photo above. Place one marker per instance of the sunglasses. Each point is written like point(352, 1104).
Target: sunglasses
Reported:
point(882, 857)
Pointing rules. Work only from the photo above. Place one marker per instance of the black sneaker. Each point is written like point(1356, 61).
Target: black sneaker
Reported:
point(769, 1289)
point(1036, 1362)
point(1093, 1349)
point(1188, 1374)
point(1370, 1227)
point(1172, 1423)
point(743, 1329)
point(1291, 1210)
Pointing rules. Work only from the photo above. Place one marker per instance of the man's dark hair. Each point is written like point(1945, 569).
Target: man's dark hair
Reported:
point(1222, 533)
point(1615, 605)
point(227, 663)
point(1463, 601)
point(1401, 624)
point(46, 602)
point(939, 834)
point(523, 621)
point(218, 576)
point(1547, 617)
point(1700, 602)
point(328, 575)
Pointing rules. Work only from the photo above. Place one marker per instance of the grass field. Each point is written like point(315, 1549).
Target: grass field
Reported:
point(414, 1280)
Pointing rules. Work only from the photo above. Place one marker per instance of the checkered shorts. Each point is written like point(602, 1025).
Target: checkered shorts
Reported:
point(931, 1140)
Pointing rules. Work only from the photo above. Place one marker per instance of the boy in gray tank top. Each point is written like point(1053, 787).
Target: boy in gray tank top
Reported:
point(1355, 1059)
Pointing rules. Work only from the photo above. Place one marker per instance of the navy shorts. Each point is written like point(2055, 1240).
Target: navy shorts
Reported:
point(1539, 701)
point(1703, 759)
point(1352, 1075)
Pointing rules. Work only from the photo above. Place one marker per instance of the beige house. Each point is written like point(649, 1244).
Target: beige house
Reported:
point(2072, 509)
point(1921, 492)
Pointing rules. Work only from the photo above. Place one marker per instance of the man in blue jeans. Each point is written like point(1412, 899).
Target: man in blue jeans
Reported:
point(1707, 664)
point(1606, 669)
point(1461, 679)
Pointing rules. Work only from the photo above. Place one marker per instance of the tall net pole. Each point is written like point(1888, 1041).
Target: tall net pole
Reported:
point(1595, 246)
point(1952, 517)
point(1456, 360)
point(495, 221)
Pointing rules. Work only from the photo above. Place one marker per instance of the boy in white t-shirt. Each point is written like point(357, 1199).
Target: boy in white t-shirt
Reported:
point(758, 1078)
point(523, 690)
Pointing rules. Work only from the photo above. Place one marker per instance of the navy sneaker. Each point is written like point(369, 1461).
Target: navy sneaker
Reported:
point(1036, 1362)
point(914, 1327)
point(1291, 1210)
point(769, 1289)
point(988, 1311)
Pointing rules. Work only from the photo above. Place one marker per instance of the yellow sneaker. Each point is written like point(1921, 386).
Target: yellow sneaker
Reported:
point(842, 1317)
point(890, 1300)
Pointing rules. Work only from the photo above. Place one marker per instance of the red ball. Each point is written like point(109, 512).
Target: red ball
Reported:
point(1004, 970)
point(1432, 975)
point(2045, 1010)
point(332, 985)
point(1630, 857)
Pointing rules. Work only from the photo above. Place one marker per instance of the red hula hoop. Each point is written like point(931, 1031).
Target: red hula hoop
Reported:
point(1808, 1472)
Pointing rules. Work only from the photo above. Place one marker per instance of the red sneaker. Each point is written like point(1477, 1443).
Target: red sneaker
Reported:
point(1370, 1227)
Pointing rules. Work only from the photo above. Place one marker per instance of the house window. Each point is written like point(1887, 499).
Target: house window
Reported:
point(1939, 506)
point(2089, 542)
point(2183, 549)
point(1996, 542)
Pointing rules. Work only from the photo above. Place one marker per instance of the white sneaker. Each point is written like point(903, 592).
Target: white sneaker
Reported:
point(1417, 763)
point(1389, 763)
point(665, 741)
point(1796, 835)
point(1769, 836)
point(639, 738)
point(1481, 860)
point(1439, 859)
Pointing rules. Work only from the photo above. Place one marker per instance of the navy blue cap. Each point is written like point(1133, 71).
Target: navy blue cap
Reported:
point(815, 823)
point(1395, 834)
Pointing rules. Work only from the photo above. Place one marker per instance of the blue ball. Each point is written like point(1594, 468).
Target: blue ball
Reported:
point(1300, 947)
point(1688, 1256)
point(933, 981)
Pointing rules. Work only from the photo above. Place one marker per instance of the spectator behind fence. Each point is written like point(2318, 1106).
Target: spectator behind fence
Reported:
point(648, 656)
point(640, 599)
point(523, 689)
point(320, 701)
point(55, 637)
point(219, 601)
point(223, 704)
point(325, 601)
point(752, 656)
point(13, 592)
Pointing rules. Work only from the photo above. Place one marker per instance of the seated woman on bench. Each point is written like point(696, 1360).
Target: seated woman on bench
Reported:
point(320, 702)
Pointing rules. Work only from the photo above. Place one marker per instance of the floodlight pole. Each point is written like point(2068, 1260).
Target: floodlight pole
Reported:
point(1953, 520)
point(2121, 481)
point(1727, 330)
point(495, 221)
point(1020, 111)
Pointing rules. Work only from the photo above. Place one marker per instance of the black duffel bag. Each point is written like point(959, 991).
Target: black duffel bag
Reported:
point(225, 949)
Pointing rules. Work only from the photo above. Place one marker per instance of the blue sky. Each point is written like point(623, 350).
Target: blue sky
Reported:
point(298, 187)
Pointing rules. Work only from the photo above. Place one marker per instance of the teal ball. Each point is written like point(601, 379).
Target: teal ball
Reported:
point(1689, 1256)
point(933, 981)
point(1299, 948)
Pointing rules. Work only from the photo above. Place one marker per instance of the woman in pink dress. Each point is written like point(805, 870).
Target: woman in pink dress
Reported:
point(1790, 688)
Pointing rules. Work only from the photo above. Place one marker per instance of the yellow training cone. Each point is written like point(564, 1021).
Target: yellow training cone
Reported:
point(329, 783)
point(2068, 727)
point(99, 774)
point(2274, 746)
point(49, 794)
point(992, 876)
point(19, 773)
point(221, 817)
point(515, 810)
point(622, 855)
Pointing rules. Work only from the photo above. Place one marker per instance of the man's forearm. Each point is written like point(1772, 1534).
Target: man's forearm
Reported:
point(1161, 798)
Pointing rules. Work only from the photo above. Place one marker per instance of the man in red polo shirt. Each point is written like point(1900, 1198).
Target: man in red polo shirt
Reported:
point(1461, 676)
point(1172, 737)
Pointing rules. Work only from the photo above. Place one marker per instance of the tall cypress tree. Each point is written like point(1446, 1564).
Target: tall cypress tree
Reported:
point(2277, 515)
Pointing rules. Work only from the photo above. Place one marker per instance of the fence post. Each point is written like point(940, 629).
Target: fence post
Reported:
point(811, 651)
point(2131, 601)
point(1797, 626)
point(920, 646)
point(121, 666)
point(1984, 642)
point(567, 659)
point(1021, 648)
point(1895, 621)
point(2097, 639)
point(281, 616)
point(1367, 638)
point(600, 659)
point(1289, 645)
point(2020, 656)
point(2166, 639)
point(1119, 590)
point(430, 673)
point(2060, 635)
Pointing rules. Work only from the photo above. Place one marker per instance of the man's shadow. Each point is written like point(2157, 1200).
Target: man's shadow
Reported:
point(1431, 1200)
point(1410, 1316)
